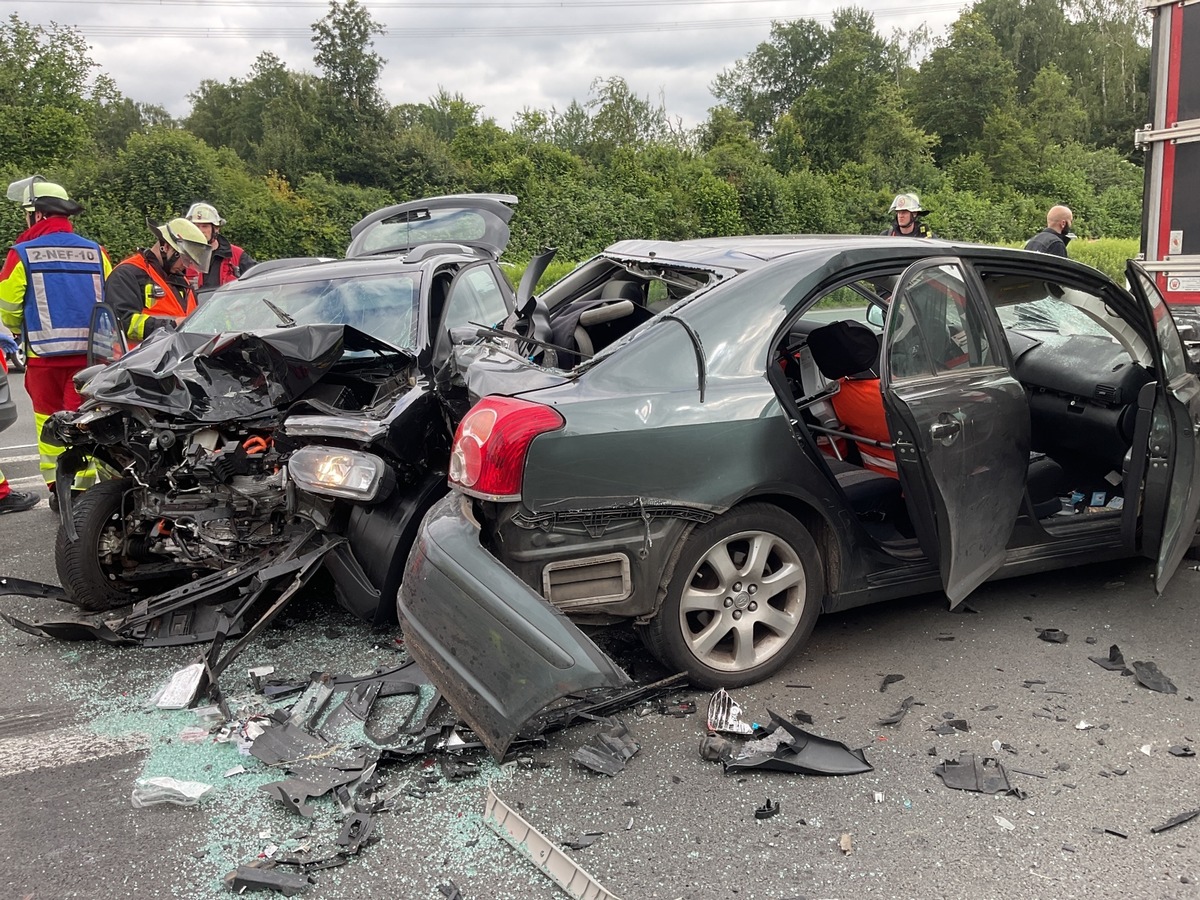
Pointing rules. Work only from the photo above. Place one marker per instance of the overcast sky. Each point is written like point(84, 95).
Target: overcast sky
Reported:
point(503, 56)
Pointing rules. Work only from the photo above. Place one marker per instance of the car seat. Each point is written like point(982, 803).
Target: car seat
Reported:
point(587, 325)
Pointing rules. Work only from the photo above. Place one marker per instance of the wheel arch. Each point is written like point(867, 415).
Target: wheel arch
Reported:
point(817, 524)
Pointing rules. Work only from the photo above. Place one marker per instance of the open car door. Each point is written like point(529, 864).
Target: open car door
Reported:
point(959, 420)
point(1173, 470)
point(106, 340)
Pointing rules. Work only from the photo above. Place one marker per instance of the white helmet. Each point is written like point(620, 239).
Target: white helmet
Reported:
point(204, 214)
point(907, 202)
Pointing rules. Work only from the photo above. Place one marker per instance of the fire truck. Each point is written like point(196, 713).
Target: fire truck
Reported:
point(1171, 200)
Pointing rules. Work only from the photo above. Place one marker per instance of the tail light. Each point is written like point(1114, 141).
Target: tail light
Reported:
point(488, 458)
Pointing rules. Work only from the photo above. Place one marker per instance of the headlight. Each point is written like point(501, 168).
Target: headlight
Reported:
point(340, 473)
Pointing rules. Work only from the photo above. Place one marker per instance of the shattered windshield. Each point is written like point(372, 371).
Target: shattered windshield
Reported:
point(383, 306)
point(1050, 314)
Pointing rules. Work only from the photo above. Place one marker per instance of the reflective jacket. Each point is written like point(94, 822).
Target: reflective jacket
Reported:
point(229, 263)
point(65, 279)
point(156, 297)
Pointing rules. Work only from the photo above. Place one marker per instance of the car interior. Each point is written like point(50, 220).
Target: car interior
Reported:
point(1081, 365)
point(598, 305)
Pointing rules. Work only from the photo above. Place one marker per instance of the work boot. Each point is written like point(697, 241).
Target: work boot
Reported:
point(17, 501)
point(53, 498)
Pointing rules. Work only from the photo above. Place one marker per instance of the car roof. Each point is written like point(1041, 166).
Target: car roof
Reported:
point(746, 251)
point(379, 264)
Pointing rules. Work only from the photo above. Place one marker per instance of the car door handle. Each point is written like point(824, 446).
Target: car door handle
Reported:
point(944, 431)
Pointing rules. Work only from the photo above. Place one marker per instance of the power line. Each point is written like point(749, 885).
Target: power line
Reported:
point(458, 31)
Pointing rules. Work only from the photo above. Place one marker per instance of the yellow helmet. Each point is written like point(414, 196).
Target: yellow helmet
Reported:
point(185, 239)
point(37, 194)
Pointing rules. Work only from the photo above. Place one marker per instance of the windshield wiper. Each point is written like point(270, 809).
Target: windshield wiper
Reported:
point(287, 320)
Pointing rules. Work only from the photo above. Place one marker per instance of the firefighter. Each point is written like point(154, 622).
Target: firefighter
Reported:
point(148, 291)
point(51, 281)
point(906, 212)
point(229, 261)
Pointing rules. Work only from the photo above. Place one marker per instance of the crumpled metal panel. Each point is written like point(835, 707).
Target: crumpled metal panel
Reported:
point(214, 378)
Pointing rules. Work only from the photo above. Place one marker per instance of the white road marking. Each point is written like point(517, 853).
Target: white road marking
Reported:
point(28, 480)
point(62, 747)
point(17, 447)
point(29, 457)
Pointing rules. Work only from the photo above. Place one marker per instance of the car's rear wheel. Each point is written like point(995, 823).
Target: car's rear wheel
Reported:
point(93, 568)
point(745, 596)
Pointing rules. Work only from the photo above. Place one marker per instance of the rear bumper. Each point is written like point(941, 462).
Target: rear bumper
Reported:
point(494, 648)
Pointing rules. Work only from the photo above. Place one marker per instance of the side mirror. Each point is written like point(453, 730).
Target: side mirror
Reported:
point(875, 316)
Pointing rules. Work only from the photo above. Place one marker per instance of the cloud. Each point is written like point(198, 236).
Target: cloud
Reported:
point(501, 56)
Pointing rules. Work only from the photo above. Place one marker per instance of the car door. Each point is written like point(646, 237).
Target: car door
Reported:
point(959, 420)
point(1172, 491)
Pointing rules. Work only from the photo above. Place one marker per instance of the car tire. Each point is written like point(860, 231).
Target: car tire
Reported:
point(16, 359)
point(719, 623)
point(97, 512)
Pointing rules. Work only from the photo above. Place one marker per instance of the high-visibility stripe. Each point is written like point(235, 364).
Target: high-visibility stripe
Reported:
point(48, 454)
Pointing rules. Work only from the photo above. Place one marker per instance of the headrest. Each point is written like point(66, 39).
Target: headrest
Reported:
point(623, 290)
point(844, 348)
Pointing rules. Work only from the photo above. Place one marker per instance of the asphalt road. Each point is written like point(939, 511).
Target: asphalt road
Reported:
point(77, 730)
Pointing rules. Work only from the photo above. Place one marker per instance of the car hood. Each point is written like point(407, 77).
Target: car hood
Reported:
point(214, 378)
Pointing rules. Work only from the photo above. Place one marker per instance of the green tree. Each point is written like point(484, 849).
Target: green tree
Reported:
point(961, 85)
point(349, 67)
point(768, 82)
point(45, 98)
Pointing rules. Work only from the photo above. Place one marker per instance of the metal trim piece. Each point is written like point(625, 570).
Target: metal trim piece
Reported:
point(541, 851)
point(1179, 133)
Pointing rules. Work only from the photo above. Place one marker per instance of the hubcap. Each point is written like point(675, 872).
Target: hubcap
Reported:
point(743, 602)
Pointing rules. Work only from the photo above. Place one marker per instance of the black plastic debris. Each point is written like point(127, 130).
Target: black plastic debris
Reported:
point(358, 832)
point(1052, 635)
point(450, 890)
point(1183, 751)
point(609, 750)
point(583, 841)
point(1149, 675)
point(985, 775)
point(714, 748)
point(266, 878)
point(678, 709)
point(889, 679)
point(802, 717)
point(1114, 662)
point(768, 809)
point(1115, 832)
point(898, 716)
point(789, 748)
point(1176, 820)
point(950, 726)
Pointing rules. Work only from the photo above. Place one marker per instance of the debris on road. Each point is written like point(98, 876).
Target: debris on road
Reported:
point(714, 748)
point(950, 726)
point(898, 716)
point(1114, 662)
point(725, 715)
point(1004, 823)
point(889, 679)
point(540, 851)
point(1182, 751)
point(608, 751)
point(789, 748)
point(254, 877)
point(1149, 675)
point(768, 809)
point(986, 775)
point(846, 844)
point(164, 789)
point(1052, 635)
point(1176, 820)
